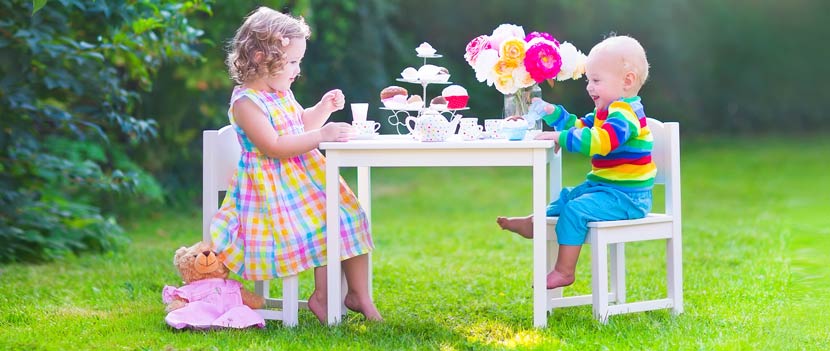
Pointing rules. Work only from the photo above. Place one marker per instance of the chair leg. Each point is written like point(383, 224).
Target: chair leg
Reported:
point(674, 274)
point(290, 300)
point(344, 289)
point(617, 263)
point(599, 277)
point(261, 288)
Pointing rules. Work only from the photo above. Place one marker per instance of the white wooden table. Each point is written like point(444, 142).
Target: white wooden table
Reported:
point(402, 151)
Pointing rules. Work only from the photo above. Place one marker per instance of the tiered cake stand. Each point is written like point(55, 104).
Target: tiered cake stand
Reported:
point(399, 115)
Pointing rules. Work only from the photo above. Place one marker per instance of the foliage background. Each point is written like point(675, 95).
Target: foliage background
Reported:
point(733, 68)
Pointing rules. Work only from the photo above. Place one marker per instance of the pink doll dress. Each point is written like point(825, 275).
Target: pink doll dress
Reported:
point(212, 303)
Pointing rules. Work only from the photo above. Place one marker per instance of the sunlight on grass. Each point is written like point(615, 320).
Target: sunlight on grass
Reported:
point(505, 337)
point(447, 278)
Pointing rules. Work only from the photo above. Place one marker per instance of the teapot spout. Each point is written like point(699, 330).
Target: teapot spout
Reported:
point(456, 118)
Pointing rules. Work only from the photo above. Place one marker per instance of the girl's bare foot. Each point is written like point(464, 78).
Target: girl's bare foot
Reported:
point(365, 307)
point(319, 306)
point(519, 225)
point(557, 279)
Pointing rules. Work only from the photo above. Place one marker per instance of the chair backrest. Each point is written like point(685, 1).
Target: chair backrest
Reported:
point(220, 159)
point(666, 155)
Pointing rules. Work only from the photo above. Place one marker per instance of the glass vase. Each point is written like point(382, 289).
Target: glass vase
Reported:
point(518, 104)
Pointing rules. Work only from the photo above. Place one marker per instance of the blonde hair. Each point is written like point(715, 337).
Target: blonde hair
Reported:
point(631, 54)
point(266, 31)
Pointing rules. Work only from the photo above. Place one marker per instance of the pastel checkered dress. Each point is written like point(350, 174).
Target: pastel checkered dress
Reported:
point(272, 222)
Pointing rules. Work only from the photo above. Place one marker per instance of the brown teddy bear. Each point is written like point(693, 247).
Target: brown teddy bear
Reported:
point(208, 299)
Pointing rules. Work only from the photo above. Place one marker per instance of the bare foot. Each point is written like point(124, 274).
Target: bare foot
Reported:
point(519, 225)
point(318, 306)
point(366, 307)
point(557, 279)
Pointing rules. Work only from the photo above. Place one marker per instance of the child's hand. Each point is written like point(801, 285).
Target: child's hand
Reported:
point(538, 108)
point(336, 131)
point(550, 136)
point(333, 100)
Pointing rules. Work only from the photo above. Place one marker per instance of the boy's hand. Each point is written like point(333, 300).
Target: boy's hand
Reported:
point(550, 136)
point(333, 100)
point(538, 108)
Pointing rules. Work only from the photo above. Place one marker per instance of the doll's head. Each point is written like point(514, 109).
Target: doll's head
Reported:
point(264, 45)
point(616, 68)
point(198, 262)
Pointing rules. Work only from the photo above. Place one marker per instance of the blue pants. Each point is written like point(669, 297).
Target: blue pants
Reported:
point(592, 202)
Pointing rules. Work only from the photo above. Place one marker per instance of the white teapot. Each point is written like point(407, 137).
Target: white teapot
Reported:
point(432, 126)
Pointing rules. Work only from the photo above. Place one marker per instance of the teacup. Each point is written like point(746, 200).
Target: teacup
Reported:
point(469, 121)
point(493, 127)
point(366, 127)
point(470, 132)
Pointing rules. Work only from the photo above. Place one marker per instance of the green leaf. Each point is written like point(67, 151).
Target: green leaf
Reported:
point(37, 5)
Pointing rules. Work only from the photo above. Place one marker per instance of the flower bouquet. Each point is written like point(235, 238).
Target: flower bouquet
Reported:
point(516, 63)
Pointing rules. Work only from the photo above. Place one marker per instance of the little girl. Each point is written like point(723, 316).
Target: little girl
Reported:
point(272, 222)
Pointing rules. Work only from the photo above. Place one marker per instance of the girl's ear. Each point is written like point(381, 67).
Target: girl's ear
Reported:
point(258, 56)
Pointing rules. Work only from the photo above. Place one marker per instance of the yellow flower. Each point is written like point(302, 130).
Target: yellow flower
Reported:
point(513, 49)
point(505, 67)
point(505, 84)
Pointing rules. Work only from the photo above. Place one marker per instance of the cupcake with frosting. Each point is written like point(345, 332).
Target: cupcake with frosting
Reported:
point(514, 128)
point(456, 96)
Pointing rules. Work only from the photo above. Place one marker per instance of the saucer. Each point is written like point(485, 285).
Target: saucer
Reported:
point(365, 136)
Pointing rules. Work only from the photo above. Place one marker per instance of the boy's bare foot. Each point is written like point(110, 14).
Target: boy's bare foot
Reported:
point(366, 307)
point(318, 306)
point(519, 225)
point(557, 279)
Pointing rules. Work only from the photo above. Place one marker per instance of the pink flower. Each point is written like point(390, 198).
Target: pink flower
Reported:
point(542, 35)
point(542, 61)
point(482, 42)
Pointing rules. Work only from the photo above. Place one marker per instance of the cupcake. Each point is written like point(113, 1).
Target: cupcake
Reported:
point(438, 103)
point(514, 128)
point(393, 96)
point(414, 102)
point(456, 96)
point(409, 73)
point(425, 49)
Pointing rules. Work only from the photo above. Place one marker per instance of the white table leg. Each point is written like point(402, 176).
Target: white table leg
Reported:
point(364, 195)
point(333, 279)
point(540, 318)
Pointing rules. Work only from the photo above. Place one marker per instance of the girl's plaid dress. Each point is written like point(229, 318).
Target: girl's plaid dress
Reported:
point(272, 222)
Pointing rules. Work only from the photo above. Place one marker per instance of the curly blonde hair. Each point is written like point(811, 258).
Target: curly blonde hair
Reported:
point(269, 32)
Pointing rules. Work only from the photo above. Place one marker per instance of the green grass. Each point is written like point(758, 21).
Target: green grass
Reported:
point(755, 249)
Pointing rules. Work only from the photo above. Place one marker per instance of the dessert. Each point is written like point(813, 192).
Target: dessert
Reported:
point(409, 73)
point(433, 73)
point(456, 96)
point(393, 96)
point(514, 127)
point(391, 91)
point(438, 103)
point(414, 102)
point(425, 49)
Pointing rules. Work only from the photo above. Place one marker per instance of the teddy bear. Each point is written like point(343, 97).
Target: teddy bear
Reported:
point(208, 299)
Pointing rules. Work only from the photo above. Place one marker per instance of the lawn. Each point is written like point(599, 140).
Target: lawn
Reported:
point(756, 238)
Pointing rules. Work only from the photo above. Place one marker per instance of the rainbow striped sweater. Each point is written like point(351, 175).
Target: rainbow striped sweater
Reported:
point(617, 139)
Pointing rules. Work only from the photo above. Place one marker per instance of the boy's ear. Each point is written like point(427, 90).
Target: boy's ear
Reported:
point(629, 80)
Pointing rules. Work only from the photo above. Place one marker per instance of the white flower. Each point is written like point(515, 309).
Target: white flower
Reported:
point(504, 31)
point(573, 62)
point(484, 65)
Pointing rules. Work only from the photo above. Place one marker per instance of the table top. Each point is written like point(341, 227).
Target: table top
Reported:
point(454, 142)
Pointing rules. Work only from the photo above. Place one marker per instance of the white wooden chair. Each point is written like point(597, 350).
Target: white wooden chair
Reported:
point(220, 153)
point(655, 226)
